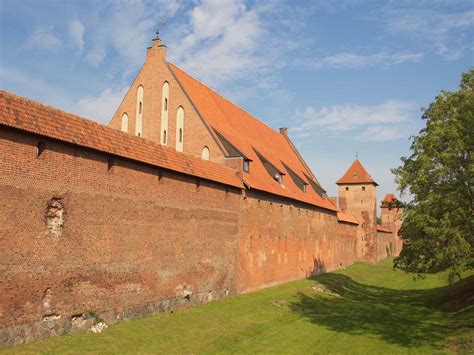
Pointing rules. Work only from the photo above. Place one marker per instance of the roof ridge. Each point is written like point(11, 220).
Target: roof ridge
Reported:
point(246, 133)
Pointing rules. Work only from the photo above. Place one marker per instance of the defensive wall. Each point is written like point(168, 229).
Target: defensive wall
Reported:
point(89, 231)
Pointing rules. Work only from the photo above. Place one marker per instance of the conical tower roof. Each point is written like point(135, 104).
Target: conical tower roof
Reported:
point(356, 174)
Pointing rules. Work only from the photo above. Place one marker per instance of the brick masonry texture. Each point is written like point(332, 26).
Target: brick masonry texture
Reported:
point(153, 74)
point(129, 240)
point(98, 225)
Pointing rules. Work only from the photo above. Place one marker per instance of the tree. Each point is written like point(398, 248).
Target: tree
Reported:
point(438, 225)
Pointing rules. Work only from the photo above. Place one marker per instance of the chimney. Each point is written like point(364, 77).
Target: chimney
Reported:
point(157, 50)
point(284, 131)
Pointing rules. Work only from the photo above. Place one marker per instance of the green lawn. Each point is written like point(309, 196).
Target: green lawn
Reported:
point(364, 309)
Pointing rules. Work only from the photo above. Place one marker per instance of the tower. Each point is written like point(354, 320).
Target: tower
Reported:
point(392, 215)
point(357, 196)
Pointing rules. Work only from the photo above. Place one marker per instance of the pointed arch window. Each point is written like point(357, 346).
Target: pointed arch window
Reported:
point(205, 153)
point(124, 125)
point(139, 112)
point(180, 129)
point(165, 95)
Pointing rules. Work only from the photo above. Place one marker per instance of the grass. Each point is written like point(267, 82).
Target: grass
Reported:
point(364, 309)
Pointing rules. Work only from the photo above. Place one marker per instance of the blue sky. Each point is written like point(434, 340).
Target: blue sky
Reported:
point(344, 76)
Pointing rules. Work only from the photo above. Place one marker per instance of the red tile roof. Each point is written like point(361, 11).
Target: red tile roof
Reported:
point(31, 116)
point(389, 198)
point(345, 217)
point(383, 229)
point(248, 135)
point(356, 174)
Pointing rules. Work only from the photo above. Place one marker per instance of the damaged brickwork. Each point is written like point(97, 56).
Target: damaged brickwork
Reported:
point(90, 244)
point(54, 216)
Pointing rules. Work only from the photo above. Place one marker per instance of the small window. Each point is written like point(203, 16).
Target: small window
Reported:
point(140, 107)
point(205, 153)
point(164, 137)
point(246, 165)
point(363, 188)
point(40, 147)
point(166, 104)
point(347, 189)
point(180, 135)
point(110, 164)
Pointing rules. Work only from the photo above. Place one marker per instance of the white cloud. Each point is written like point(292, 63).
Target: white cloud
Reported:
point(384, 133)
point(353, 60)
point(76, 31)
point(220, 40)
point(169, 7)
point(44, 37)
point(102, 107)
point(126, 28)
point(443, 30)
point(385, 118)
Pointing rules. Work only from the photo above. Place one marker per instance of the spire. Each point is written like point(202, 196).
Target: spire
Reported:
point(356, 174)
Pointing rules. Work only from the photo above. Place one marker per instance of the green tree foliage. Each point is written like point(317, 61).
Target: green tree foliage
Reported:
point(438, 224)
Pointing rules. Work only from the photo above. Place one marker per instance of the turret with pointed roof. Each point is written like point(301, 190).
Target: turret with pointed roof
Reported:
point(356, 174)
point(358, 197)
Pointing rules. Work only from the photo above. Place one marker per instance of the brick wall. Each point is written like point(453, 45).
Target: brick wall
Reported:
point(152, 76)
point(281, 241)
point(79, 233)
point(84, 235)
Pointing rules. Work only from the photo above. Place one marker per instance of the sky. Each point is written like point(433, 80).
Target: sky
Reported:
point(345, 77)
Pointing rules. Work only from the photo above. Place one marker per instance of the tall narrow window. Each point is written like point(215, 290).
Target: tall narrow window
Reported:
point(179, 129)
point(165, 94)
point(124, 127)
point(205, 153)
point(139, 112)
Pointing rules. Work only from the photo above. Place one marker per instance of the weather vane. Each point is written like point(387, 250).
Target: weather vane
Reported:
point(159, 25)
point(357, 155)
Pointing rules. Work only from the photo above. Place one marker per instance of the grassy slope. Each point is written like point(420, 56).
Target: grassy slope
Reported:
point(363, 309)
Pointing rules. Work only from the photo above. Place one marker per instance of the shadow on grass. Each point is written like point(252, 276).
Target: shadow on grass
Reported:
point(410, 318)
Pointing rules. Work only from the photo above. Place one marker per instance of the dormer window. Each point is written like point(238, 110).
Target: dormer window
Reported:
point(246, 165)
point(296, 178)
point(271, 169)
point(315, 185)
